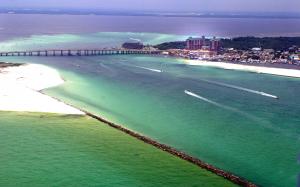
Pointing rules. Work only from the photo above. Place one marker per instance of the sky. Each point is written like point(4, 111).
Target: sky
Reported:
point(164, 5)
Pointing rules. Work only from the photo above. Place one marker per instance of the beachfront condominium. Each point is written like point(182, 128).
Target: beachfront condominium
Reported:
point(203, 43)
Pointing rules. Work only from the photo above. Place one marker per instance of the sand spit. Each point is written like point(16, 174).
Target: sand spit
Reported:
point(20, 86)
point(241, 67)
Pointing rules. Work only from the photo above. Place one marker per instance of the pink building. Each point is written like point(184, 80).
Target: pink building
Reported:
point(202, 43)
point(215, 44)
point(195, 43)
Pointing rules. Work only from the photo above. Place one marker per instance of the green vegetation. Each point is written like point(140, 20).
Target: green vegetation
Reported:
point(276, 43)
point(244, 43)
point(171, 45)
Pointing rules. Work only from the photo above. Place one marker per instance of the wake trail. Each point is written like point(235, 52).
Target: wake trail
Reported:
point(221, 105)
point(202, 98)
point(242, 89)
point(257, 120)
point(141, 67)
point(150, 69)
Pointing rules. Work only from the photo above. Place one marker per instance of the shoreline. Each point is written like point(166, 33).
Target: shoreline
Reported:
point(248, 68)
point(182, 155)
point(163, 147)
point(295, 73)
point(35, 83)
point(20, 86)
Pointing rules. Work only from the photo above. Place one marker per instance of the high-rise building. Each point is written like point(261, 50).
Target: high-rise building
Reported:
point(202, 43)
point(215, 44)
point(195, 43)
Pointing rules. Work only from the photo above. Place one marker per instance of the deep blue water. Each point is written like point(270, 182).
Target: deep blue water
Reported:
point(16, 25)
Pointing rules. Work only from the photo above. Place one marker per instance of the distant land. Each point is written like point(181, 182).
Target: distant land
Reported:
point(243, 43)
point(269, 15)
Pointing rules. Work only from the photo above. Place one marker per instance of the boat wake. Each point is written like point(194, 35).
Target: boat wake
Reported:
point(150, 69)
point(141, 67)
point(257, 120)
point(242, 89)
point(202, 98)
point(221, 105)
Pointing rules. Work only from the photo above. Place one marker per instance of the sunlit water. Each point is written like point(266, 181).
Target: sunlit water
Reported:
point(62, 150)
point(21, 25)
point(190, 108)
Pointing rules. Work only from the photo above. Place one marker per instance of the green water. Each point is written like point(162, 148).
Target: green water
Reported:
point(64, 150)
point(73, 41)
point(251, 135)
point(246, 142)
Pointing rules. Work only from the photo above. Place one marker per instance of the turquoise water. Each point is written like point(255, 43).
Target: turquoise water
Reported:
point(65, 150)
point(74, 41)
point(251, 135)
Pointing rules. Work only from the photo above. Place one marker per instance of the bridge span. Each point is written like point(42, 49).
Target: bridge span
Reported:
point(79, 52)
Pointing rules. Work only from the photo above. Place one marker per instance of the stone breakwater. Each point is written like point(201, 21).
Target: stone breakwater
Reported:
point(227, 175)
point(38, 86)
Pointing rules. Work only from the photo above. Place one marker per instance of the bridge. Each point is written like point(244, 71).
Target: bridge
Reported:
point(79, 52)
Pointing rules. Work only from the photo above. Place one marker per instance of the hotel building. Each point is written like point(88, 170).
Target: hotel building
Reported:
point(202, 43)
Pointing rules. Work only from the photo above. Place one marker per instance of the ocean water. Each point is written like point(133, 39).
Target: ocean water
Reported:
point(18, 25)
point(248, 134)
point(75, 41)
point(65, 150)
point(190, 108)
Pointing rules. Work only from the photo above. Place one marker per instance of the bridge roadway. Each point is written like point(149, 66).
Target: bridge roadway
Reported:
point(78, 52)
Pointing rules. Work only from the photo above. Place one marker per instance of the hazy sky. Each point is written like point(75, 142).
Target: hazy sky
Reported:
point(165, 5)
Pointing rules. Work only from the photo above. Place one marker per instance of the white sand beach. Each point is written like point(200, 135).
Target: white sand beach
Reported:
point(20, 86)
point(240, 67)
